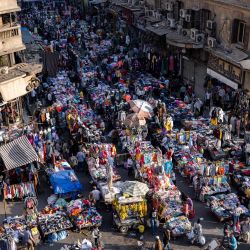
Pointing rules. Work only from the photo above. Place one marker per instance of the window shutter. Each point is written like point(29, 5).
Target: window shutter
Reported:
point(177, 7)
point(197, 19)
point(246, 36)
point(235, 27)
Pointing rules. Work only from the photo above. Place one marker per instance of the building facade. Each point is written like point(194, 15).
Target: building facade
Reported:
point(210, 37)
point(223, 28)
point(16, 77)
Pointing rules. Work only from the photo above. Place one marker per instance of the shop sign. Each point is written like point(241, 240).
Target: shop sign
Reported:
point(225, 68)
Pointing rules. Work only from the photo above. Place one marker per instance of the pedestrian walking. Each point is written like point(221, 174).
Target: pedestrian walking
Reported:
point(130, 164)
point(245, 230)
point(166, 240)
point(95, 196)
point(232, 242)
point(154, 222)
point(28, 239)
point(81, 160)
point(158, 244)
point(96, 234)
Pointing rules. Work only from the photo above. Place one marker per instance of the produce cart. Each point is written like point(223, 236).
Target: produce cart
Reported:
point(128, 213)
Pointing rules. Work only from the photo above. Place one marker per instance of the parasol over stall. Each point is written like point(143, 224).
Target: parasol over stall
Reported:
point(142, 108)
point(134, 188)
point(133, 120)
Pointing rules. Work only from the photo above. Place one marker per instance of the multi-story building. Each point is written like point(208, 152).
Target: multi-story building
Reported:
point(16, 77)
point(10, 33)
point(222, 27)
point(211, 37)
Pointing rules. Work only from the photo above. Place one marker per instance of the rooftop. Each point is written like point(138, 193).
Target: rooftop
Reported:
point(239, 3)
point(20, 70)
point(232, 55)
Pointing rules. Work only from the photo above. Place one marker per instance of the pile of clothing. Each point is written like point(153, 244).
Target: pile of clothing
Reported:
point(179, 225)
point(83, 214)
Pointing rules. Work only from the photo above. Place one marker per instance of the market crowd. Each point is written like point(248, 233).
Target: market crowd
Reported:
point(105, 101)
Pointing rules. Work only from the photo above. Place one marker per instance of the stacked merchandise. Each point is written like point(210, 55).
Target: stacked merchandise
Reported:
point(179, 225)
point(82, 214)
point(108, 194)
point(179, 110)
point(54, 222)
point(100, 158)
point(69, 104)
point(100, 93)
point(214, 185)
point(130, 208)
point(223, 205)
point(19, 191)
point(14, 226)
point(168, 203)
point(148, 161)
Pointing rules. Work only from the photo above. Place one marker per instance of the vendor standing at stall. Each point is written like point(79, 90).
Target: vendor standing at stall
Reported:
point(28, 239)
point(81, 161)
point(110, 174)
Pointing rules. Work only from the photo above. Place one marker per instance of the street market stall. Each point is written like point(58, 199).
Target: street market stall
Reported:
point(21, 175)
point(223, 206)
point(52, 223)
point(82, 214)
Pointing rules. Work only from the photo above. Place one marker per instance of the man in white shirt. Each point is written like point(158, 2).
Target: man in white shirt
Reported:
point(96, 194)
point(81, 160)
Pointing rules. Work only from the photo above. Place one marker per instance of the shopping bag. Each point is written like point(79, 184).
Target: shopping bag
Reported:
point(148, 223)
point(157, 222)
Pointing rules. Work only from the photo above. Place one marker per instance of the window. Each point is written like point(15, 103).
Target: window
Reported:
point(241, 32)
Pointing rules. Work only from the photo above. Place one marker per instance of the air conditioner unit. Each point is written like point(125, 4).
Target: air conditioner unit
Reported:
point(194, 32)
point(171, 22)
point(169, 6)
point(186, 32)
point(4, 70)
point(211, 42)
point(210, 24)
point(199, 38)
point(188, 18)
point(183, 13)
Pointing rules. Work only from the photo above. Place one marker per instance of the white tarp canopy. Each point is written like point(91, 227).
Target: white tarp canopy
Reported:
point(222, 78)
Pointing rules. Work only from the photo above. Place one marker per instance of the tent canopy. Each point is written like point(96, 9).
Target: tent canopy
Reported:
point(62, 182)
point(18, 153)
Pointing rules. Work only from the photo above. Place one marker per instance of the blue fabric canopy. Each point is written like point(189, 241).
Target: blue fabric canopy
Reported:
point(63, 182)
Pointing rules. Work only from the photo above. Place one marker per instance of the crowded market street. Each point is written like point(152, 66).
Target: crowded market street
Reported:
point(108, 147)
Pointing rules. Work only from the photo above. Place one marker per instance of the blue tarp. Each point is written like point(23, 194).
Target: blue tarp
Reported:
point(63, 183)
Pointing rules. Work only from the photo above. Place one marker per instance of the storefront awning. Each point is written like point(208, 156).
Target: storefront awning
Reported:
point(175, 39)
point(245, 64)
point(222, 78)
point(233, 55)
point(18, 153)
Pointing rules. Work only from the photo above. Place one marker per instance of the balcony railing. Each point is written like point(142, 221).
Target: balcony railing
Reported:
point(10, 32)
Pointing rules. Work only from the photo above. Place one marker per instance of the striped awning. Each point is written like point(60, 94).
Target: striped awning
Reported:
point(18, 153)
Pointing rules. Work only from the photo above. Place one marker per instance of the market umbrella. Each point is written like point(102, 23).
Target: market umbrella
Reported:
point(134, 188)
point(141, 107)
point(133, 120)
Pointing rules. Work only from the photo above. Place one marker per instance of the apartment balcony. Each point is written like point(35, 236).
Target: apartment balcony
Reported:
point(10, 39)
point(8, 6)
